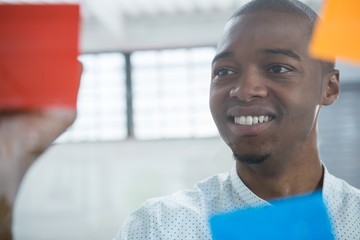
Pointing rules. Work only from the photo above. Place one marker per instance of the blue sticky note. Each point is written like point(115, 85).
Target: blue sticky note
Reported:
point(298, 218)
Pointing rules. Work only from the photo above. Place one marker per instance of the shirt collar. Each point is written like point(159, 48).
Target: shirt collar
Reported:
point(329, 185)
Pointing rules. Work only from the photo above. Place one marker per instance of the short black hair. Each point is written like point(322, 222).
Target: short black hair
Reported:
point(285, 6)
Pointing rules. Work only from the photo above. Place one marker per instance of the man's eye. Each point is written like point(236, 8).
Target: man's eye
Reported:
point(223, 72)
point(279, 69)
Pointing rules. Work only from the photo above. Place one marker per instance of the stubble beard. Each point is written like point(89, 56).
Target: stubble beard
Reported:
point(250, 158)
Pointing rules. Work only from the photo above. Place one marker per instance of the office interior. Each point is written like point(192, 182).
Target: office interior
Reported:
point(144, 128)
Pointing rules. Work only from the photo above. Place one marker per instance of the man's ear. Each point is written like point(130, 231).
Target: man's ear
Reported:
point(331, 87)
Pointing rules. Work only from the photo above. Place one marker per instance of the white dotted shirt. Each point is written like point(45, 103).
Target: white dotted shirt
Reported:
point(185, 214)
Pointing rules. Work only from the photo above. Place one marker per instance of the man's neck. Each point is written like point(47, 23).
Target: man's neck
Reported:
point(269, 181)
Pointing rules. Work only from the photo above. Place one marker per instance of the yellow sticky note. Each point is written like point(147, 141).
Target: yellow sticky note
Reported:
point(338, 33)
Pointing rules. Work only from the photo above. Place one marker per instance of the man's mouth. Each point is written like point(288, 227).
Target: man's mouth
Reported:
point(251, 120)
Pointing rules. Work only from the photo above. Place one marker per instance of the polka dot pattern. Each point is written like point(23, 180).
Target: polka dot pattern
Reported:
point(185, 214)
point(343, 203)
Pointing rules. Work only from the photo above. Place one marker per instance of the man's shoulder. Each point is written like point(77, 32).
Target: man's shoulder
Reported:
point(343, 202)
point(341, 197)
point(183, 212)
point(342, 188)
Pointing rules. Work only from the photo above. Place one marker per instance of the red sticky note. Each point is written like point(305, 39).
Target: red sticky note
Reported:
point(38, 55)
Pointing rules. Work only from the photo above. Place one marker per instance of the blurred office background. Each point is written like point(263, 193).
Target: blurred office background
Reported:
point(144, 128)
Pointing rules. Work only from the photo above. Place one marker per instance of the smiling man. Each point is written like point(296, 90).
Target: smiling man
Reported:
point(265, 98)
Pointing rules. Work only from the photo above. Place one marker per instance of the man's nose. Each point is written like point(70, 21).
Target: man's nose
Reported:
point(248, 87)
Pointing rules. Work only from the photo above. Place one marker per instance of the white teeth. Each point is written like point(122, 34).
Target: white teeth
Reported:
point(241, 120)
point(251, 120)
point(255, 120)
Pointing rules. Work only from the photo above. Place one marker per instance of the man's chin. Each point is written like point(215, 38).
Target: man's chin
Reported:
point(250, 158)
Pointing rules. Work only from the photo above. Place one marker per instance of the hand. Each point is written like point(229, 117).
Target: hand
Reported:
point(24, 136)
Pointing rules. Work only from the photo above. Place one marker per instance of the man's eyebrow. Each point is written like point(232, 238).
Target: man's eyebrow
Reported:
point(222, 55)
point(281, 51)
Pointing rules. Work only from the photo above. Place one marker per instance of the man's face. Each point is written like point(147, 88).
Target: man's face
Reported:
point(265, 90)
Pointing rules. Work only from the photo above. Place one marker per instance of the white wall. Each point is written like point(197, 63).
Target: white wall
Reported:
point(85, 191)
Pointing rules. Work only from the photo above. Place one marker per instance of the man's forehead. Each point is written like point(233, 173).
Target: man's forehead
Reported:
point(264, 35)
point(266, 27)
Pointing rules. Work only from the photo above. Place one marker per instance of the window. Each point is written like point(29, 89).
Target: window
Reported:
point(171, 92)
point(101, 101)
